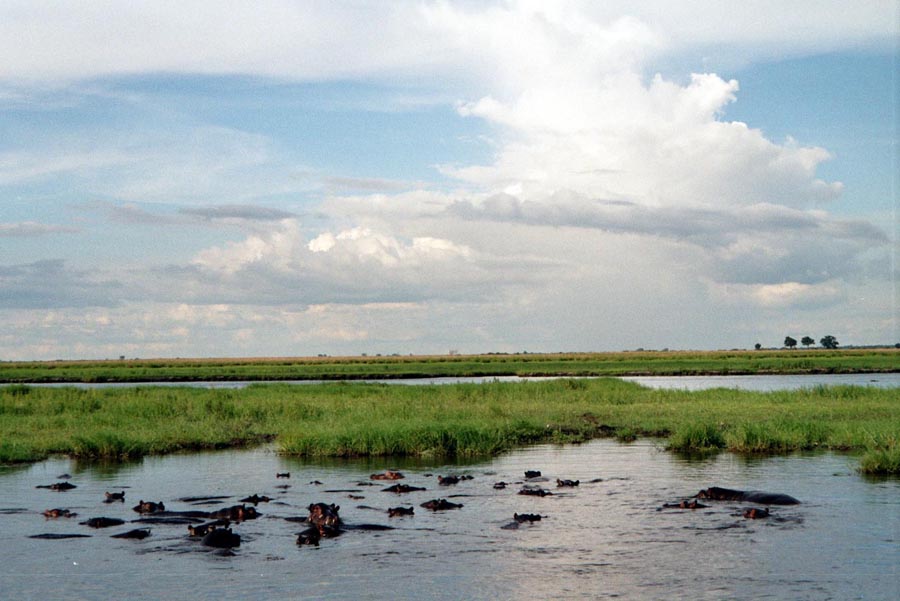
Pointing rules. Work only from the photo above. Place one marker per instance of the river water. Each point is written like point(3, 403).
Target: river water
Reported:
point(606, 538)
point(758, 382)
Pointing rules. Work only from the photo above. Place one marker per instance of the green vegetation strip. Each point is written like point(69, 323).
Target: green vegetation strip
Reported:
point(342, 419)
point(525, 364)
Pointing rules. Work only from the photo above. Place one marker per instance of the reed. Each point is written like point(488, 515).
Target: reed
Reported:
point(342, 419)
point(884, 461)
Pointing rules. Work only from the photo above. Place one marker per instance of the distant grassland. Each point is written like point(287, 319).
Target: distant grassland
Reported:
point(356, 419)
point(525, 364)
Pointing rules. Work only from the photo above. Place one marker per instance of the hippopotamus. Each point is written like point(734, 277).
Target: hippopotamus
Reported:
point(283, 475)
point(149, 507)
point(526, 517)
point(532, 473)
point(324, 522)
point(256, 499)
point(236, 513)
point(102, 522)
point(751, 496)
point(535, 491)
point(567, 483)
point(137, 534)
point(58, 486)
point(448, 480)
point(222, 538)
point(440, 505)
point(686, 504)
point(59, 513)
point(756, 513)
point(204, 529)
point(500, 485)
point(400, 511)
point(388, 475)
point(112, 497)
point(323, 514)
point(401, 488)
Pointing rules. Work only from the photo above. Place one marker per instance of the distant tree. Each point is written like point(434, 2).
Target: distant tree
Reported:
point(829, 342)
point(757, 346)
point(789, 342)
point(807, 341)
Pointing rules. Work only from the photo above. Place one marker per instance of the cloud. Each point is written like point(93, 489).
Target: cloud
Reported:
point(43, 40)
point(28, 229)
point(338, 185)
point(49, 284)
point(237, 212)
point(357, 265)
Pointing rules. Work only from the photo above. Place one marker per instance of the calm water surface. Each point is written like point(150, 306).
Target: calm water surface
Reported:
point(605, 539)
point(758, 383)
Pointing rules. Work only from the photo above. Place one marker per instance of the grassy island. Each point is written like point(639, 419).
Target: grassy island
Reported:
point(635, 363)
point(358, 419)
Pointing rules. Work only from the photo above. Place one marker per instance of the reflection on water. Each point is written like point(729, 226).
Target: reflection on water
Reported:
point(602, 539)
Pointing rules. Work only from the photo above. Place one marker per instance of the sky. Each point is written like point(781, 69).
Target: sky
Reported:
point(294, 178)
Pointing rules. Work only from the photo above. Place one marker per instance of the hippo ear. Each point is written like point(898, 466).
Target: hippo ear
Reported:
point(336, 508)
point(311, 505)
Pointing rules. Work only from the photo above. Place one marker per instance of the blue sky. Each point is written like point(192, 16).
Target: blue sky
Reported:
point(478, 177)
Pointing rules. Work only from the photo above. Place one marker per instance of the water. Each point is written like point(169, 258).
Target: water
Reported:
point(757, 383)
point(600, 540)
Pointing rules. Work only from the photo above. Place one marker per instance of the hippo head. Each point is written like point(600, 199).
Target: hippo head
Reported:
point(321, 514)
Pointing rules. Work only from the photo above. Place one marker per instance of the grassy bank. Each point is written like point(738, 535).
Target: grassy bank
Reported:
point(526, 364)
point(341, 419)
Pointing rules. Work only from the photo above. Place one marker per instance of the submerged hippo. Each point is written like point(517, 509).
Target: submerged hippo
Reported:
point(102, 522)
point(323, 514)
point(236, 513)
point(448, 480)
point(58, 486)
point(324, 522)
point(400, 511)
point(196, 530)
point(567, 483)
point(388, 475)
point(149, 507)
point(751, 496)
point(222, 538)
point(112, 497)
point(136, 534)
point(686, 504)
point(283, 475)
point(440, 505)
point(59, 513)
point(535, 491)
point(532, 473)
point(401, 488)
point(256, 499)
point(756, 513)
point(526, 517)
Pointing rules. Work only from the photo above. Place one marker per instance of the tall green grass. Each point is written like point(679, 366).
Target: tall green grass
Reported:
point(342, 420)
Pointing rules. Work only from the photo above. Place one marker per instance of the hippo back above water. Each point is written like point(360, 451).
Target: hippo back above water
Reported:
point(749, 496)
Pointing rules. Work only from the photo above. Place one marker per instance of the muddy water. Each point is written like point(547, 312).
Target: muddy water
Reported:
point(603, 539)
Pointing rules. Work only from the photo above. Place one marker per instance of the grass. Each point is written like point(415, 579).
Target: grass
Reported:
point(525, 364)
point(343, 419)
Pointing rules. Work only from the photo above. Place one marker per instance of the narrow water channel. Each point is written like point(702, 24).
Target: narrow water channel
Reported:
point(606, 538)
